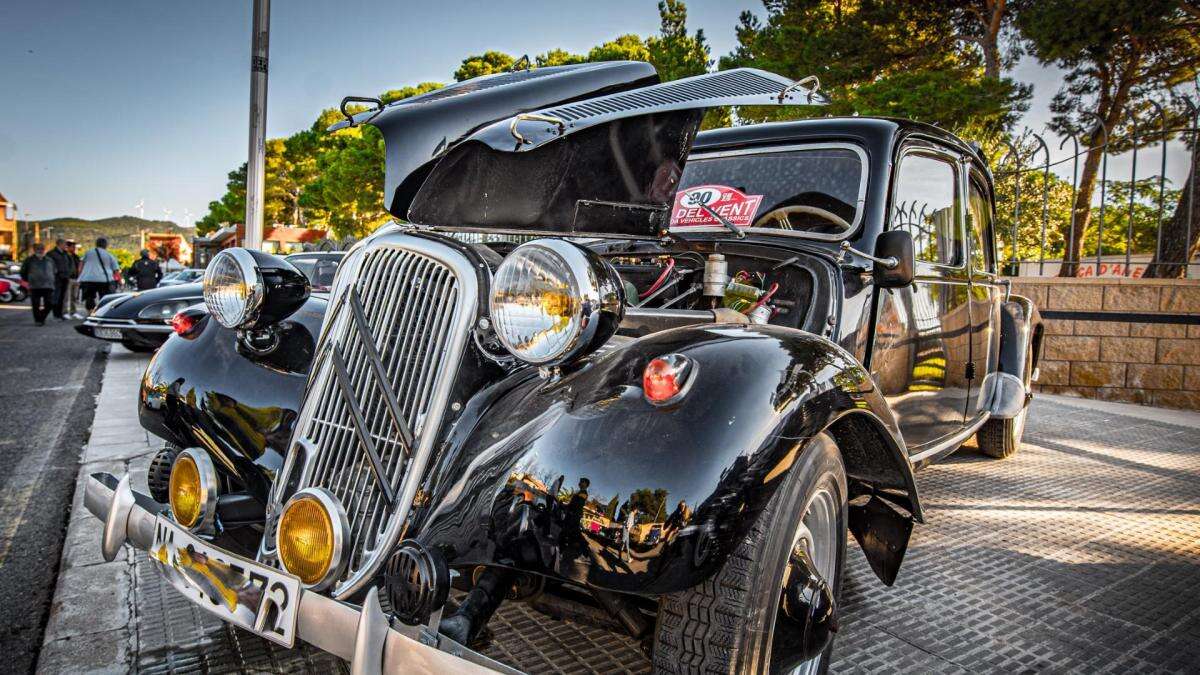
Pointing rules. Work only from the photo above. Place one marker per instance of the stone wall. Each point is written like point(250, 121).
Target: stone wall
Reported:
point(1133, 340)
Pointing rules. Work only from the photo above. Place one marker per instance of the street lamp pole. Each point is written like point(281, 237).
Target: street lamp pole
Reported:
point(255, 178)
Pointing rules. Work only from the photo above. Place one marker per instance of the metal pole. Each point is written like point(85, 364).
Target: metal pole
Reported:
point(255, 164)
point(1162, 179)
point(1074, 192)
point(1103, 187)
point(1045, 205)
point(1132, 193)
point(1187, 243)
point(1012, 149)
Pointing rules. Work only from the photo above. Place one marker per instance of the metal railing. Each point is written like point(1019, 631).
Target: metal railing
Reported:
point(1034, 244)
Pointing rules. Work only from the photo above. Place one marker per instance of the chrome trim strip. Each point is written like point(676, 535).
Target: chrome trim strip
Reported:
point(128, 324)
point(951, 442)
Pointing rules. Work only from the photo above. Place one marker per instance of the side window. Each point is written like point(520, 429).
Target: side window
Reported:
point(925, 203)
point(979, 225)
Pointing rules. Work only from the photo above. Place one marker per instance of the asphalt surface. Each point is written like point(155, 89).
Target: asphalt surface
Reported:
point(49, 377)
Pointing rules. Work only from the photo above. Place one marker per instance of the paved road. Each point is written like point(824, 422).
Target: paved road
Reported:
point(49, 377)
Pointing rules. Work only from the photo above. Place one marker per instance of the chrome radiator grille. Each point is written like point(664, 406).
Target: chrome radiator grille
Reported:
point(390, 349)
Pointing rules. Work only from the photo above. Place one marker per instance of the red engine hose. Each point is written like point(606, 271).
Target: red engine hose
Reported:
point(658, 282)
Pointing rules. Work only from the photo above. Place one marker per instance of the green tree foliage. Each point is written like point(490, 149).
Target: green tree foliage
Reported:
point(674, 53)
point(1119, 55)
point(558, 57)
point(875, 57)
point(623, 48)
point(483, 64)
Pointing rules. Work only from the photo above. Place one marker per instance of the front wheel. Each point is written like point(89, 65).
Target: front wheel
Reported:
point(736, 622)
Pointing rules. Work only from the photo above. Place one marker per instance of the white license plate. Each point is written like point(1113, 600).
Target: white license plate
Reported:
point(261, 599)
point(108, 333)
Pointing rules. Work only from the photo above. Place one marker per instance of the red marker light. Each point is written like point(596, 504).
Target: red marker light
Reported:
point(666, 378)
point(183, 323)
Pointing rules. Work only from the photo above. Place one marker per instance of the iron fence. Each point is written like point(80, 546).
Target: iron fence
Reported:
point(1142, 210)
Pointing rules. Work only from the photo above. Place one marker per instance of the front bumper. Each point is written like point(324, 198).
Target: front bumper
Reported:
point(363, 636)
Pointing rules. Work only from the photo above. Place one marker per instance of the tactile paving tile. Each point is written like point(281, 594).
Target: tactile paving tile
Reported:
point(1081, 554)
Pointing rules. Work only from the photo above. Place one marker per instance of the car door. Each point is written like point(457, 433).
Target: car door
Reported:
point(923, 331)
point(986, 293)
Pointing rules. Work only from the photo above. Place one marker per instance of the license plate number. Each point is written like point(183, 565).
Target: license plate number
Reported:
point(258, 598)
point(108, 333)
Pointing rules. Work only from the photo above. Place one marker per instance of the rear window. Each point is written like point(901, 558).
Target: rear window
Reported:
point(817, 189)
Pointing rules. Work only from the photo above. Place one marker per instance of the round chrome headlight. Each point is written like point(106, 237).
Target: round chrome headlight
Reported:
point(553, 301)
point(192, 489)
point(233, 288)
point(311, 536)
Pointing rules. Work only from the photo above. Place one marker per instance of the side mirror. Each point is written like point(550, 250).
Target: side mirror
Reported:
point(895, 261)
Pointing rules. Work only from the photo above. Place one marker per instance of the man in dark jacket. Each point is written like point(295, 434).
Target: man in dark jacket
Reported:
point(40, 271)
point(64, 270)
point(145, 272)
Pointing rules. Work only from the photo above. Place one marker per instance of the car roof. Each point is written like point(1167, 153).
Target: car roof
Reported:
point(871, 131)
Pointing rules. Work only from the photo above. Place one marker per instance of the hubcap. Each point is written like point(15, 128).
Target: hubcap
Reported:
point(816, 539)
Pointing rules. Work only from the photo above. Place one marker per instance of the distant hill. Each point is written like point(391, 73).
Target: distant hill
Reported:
point(121, 231)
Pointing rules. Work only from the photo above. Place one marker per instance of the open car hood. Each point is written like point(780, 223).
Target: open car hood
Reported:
point(419, 130)
point(603, 165)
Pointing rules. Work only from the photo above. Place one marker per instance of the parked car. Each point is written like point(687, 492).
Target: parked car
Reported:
point(601, 362)
point(142, 320)
point(181, 277)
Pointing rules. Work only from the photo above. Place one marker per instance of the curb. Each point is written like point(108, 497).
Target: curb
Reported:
point(92, 625)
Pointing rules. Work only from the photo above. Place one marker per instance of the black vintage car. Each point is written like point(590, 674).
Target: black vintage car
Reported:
point(142, 321)
point(601, 362)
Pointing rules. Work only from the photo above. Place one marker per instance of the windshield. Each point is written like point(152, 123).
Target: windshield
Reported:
point(319, 271)
point(813, 190)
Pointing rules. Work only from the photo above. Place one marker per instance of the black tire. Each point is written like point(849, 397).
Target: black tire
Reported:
point(137, 347)
point(1002, 438)
point(724, 625)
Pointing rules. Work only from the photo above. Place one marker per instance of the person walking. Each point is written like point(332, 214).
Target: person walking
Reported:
point(145, 272)
point(72, 304)
point(40, 272)
point(62, 276)
point(99, 270)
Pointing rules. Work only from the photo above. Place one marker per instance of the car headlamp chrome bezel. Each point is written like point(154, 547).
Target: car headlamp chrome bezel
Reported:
point(339, 529)
point(209, 487)
point(593, 283)
point(251, 278)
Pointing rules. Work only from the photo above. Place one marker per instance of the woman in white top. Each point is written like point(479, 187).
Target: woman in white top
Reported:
point(99, 269)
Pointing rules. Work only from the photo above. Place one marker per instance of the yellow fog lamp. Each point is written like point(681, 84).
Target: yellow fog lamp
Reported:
point(312, 536)
point(193, 489)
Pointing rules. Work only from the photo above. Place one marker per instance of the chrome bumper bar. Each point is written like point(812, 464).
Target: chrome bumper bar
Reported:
point(126, 324)
point(365, 637)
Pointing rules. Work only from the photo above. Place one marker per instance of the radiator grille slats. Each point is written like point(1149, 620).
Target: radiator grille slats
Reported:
point(410, 304)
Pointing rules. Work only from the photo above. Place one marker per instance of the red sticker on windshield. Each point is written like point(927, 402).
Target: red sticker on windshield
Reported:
point(731, 203)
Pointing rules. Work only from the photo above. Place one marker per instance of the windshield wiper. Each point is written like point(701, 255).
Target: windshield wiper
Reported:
point(737, 231)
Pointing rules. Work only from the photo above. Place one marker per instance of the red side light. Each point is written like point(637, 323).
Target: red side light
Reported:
point(184, 323)
point(666, 378)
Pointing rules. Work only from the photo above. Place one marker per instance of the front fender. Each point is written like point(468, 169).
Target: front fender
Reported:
point(213, 392)
point(582, 479)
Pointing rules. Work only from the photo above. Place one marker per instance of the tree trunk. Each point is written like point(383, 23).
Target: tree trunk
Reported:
point(1177, 248)
point(990, 42)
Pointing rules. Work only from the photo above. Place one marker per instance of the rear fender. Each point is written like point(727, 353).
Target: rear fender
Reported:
point(1010, 387)
point(580, 478)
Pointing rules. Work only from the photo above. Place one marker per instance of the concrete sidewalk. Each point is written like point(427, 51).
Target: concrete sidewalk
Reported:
point(91, 627)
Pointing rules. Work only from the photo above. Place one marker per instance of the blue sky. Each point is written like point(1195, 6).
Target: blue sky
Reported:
point(106, 103)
